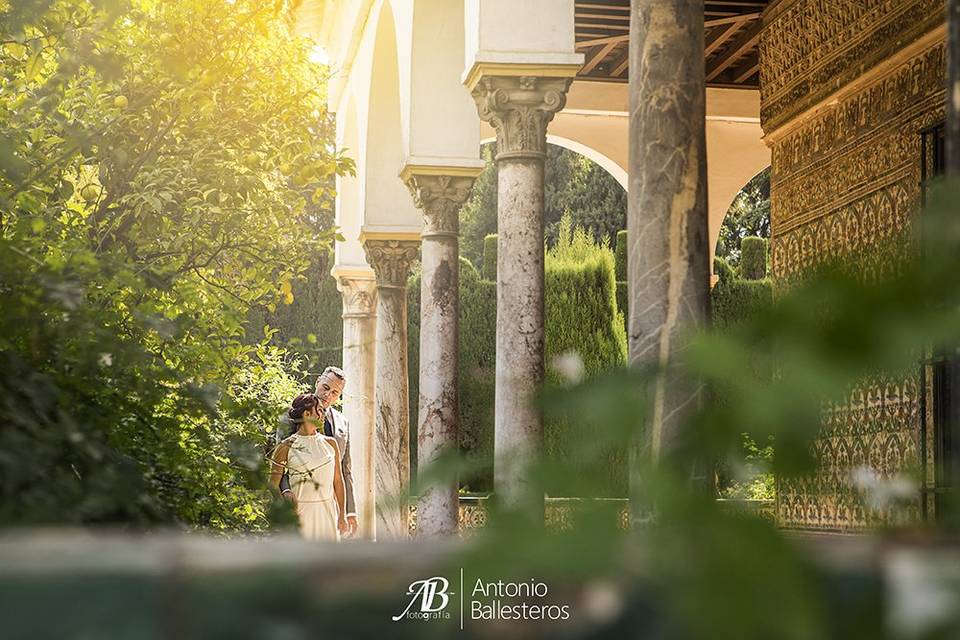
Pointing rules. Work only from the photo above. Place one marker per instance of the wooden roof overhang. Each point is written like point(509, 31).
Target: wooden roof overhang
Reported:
point(731, 39)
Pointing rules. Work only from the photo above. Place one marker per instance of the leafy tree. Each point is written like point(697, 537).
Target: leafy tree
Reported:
point(163, 167)
point(478, 216)
point(578, 187)
point(749, 215)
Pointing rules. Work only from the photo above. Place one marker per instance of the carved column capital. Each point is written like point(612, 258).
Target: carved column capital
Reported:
point(359, 297)
point(391, 260)
point(520, 108)
point(440, 198)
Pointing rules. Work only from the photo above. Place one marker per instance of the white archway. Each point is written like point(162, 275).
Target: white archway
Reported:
point(387, 206)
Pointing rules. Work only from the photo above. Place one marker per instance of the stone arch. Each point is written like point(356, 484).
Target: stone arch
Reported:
point(349, 201)
point(606, 163)
point(387, 206)
point(716, 225)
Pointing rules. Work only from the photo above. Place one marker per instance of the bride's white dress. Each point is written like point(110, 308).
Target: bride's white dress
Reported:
point(311, 464)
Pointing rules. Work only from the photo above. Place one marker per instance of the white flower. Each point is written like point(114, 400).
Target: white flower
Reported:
point(570, 366)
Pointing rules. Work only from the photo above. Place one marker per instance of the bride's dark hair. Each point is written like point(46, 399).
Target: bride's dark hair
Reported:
point(300, 404)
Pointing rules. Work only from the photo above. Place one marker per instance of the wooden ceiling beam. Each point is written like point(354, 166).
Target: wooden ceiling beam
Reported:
point(759, 4)
point(598, 57)
point(718, 37)
point(602, 16)
point(621, 66)
point(612, 7)
point(743, 43)
point(586, 44)
point(744, 17)
point(597, 25)
point(746, 70)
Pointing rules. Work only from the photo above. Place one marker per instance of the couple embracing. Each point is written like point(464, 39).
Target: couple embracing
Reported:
point(311, 467)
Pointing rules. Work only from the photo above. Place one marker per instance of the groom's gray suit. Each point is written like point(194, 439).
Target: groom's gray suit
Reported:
point(336, 425)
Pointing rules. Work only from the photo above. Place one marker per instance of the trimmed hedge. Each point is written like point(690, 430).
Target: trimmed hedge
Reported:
point(622, 302)
point(734, 300)
point(753, 258)
point(490, 257)
point(723, 270)
point(581, 313)
point(620, 258)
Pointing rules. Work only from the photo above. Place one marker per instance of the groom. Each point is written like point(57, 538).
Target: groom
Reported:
point(329, 388)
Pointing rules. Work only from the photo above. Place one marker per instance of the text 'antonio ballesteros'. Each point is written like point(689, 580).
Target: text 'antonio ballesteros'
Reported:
point(514, 601)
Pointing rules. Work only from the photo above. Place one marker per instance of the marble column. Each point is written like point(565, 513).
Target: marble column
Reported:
point(519, 108)
point(668, 251)
point(391, 259)
point(440, 198)
point(359, 366)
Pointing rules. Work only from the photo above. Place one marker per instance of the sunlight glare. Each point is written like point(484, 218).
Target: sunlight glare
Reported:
point(318, 55)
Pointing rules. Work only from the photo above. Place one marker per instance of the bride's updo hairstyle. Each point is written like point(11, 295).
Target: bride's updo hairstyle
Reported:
point(300, 404)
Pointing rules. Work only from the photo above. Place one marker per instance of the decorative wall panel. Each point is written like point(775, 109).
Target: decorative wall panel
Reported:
point(846, 181)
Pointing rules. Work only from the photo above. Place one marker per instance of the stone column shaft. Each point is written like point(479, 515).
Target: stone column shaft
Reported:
point(519, 108)
point(391, 261)
point(668, 255)
point(440, 198)
point(359, 366)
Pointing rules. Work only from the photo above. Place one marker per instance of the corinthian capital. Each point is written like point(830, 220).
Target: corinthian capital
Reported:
point(391, 259)
point(440, 198)
point(519, 108)
point(359, 297)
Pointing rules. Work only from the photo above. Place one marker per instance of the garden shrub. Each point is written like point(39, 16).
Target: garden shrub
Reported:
point(753, 258)
point(490, 257)
point(737, 299)
point(620, 256)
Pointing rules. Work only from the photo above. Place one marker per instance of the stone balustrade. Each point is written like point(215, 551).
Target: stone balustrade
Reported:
point(558, 512)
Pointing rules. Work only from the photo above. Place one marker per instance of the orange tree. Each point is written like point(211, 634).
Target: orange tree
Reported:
point(164, 165)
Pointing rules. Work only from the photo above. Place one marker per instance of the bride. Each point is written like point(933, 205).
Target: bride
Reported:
point(312, 461)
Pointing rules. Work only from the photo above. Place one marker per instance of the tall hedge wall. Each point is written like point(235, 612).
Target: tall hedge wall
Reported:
point(311, 326)
point(490, 257)
point(736, 299)
point(581, 314)
point(620, 256)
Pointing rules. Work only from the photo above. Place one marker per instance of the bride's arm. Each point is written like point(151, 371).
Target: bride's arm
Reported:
point(278, 464)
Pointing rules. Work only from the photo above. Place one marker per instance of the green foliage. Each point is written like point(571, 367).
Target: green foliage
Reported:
point(623, 302)
point(620, 256)
point(478, 216)
point(735, 300)
point(753, 258)
point(490, 257)
point(580, 188)
point(749, 215)
point(147, 203)
point(723, 270)
point(311, 326)
point(582, 318)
